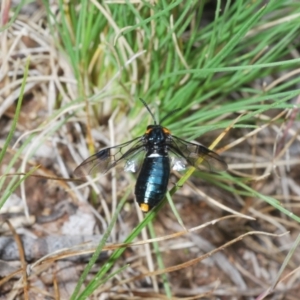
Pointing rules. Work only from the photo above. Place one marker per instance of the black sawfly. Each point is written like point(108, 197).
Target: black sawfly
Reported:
point(153, 154)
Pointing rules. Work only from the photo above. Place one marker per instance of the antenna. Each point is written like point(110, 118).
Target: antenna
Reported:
point(150, 112)
point(169, 114)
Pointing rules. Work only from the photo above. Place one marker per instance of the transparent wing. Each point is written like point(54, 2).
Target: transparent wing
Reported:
point(134, 162)
point(184, 153)
point(107, 158)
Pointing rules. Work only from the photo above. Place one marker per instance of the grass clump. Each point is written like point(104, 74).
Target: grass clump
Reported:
point(229, 65)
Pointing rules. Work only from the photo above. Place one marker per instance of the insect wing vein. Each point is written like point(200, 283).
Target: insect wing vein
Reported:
point(193, 153)
point(107, 158)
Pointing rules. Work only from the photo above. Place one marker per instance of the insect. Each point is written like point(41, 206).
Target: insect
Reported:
point(153, 155)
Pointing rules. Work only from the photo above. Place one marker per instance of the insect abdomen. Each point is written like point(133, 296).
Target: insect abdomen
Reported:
point(152, 182)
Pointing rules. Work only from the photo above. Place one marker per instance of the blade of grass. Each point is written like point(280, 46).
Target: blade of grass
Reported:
point(98, 281)
point(159, 259)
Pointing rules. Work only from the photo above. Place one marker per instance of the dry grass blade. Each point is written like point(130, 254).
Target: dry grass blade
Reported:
point(194, 261)
point(23, 261)
point(232, 68)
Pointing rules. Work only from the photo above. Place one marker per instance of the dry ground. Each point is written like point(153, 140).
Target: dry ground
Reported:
point(47, 215)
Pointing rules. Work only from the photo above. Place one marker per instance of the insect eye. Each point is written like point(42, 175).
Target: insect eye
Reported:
point(149, 129)
point(166, 130)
